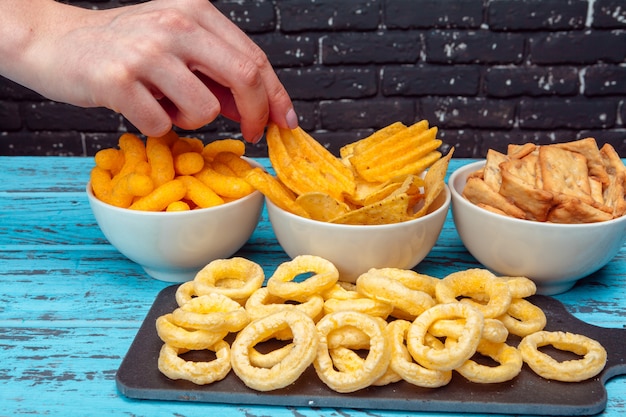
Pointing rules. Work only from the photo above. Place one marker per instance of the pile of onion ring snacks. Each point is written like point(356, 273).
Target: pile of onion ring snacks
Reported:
point(392, 325)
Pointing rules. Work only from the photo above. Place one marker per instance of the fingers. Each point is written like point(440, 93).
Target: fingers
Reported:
point(251, 78)
point(143, 110)
point(198, 64)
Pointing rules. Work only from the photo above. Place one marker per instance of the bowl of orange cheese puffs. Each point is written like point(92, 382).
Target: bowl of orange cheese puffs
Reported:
point(552, 213)
point(173, 204)
point(381, 203)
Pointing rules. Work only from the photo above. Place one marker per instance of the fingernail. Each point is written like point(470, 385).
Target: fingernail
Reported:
point(292, 119)
point(257, 139)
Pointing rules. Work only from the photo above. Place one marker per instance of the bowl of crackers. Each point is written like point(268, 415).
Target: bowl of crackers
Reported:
point(173, 204)
point(552, 213)
point(381, 203)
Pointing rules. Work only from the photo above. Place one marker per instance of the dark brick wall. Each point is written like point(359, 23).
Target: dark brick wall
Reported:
point(486, 72)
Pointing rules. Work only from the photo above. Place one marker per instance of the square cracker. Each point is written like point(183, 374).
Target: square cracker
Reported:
point(525, 169)
point(565, 172)
point(478, 192)
point(535, 202)
point(491, 171)
point(589, 148)
point(520, 151)
point(572, 210)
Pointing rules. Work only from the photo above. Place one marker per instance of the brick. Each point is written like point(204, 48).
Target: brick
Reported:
point(614, 137)
point(411, 14)
point(251, 16)
point(430, 80)
point(609, 14)
point(14, 91)
point(460, 112)
point(356, 48)
point(466, 142)
point(482, 46)
point(602, 80)
point(329, 83)
point(333, 141)
point(365, 114)
point(501, 139)
point(59, 116)
point(10, 118)
point(570, 113)
point(41, 144)
point(308, 114)
point(289, 50)
point(578, 47)
point(536, 14)
point(509, 81)
point(100, 140)
point(304, 15)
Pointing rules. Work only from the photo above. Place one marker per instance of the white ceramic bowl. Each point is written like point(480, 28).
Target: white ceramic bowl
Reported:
point(554, 256)
point(174, 246)
point(354, 249)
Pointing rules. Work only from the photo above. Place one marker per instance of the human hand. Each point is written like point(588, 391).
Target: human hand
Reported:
point(158, 63)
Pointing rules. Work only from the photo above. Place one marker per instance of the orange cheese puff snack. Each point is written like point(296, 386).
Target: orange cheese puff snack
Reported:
point(183, 145)
point(198, 192)
point(188, 163)
point(110, 159)
point(222, 168)
point(228, 186)
point(169, 138)
point(161, 161)
point(234, 162)
point(128, 187)
point(134, 152)
point(224, 145)
point(100, 180)
point(178, 206)
point(161, 197)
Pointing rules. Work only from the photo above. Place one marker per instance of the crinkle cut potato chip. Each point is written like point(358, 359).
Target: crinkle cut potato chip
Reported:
point(571, 182)
point(383, 178)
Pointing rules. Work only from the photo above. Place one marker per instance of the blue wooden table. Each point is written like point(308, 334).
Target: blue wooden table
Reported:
point(71, 305)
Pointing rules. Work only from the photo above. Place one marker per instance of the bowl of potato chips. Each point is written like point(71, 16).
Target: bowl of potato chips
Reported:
point(381, 203)
point(552, 213)
point(355, 249)
point(173, 227)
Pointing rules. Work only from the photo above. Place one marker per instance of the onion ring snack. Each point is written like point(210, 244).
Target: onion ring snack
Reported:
point(201, 373)
point(520, 287)
point(493, 330)
point(390, 288)
point(454, 354)
point(291, 366)
point(362, 305)
point(374, 365)
point(249, 273)
point(347, 360)
point(402, 362)
point(261, 303)
point(592, 362)
point(215, 312)
point(475, 282)
point(269, 359)
point(509, 359)
point(185, 292)
point(179, 337)
point(282, 283)
point(523, 318)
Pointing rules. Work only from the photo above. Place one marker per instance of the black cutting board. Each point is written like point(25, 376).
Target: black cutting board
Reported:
point(138, 377)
